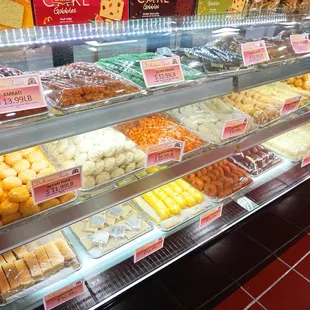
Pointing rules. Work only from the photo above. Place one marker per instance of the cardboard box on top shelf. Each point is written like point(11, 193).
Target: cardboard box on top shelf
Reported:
point(220, 6)
point(15, 14)
point(64, 12)
point(161, 8)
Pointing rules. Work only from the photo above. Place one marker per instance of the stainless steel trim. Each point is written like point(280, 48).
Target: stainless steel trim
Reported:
point(83, 209)
point(271, 74)
point(69, 125)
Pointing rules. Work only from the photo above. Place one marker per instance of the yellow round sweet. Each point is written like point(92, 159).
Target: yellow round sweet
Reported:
point(34, 156)
point(8, 207)
point(10, 218)
point(5, 196)
point(11, 158)
point(18, 194)
point(8, 172)
point(3, 166)
point(49, 204)
point(28, 208)
point(27, 175)
point(11, 182)
point(21, 165)
point(25, 152)
point(46, 171)
point(39, 165)
point(66, 197)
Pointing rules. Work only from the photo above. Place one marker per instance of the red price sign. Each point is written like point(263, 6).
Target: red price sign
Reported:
point(300, 43)
point(210, 216)
point(56, 184)
point(291, 105)
point(305, 161)
point(163, 71)
point(254, 52)
point(20, 93)
point(234, 128)
point(165, 152)
point(63, 295)
point(148, 249)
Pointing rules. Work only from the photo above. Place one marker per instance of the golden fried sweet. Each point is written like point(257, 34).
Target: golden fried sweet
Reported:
point(49, 204)
point(27, 175)
point(28, 207)
point(11, 182)
point(8, 207)
point(8, 172)
point(11, 158)
point(21, 165)
point(18, 194)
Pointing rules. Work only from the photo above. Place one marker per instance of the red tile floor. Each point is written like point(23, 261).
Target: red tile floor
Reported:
point(283, 284)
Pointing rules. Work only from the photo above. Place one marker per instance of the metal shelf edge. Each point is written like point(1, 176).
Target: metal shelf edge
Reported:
point(55, 221)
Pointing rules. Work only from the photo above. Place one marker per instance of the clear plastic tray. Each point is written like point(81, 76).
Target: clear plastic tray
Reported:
point(61, 110)
point(223, 142)
point(140, 214)
point(166, 226)
point(36, 216)
point(259, 171)
point(122, 127)
point(98, 187)
point(63, 274)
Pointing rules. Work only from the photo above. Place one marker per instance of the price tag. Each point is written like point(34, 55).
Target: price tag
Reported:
point(163, 71)
point(20, 93)
point(305, 161)
point(291, 105)
point(254, 52)
point(56, 184)
point(300, 43)
point(162, 153)
point(63, 295)
point(210, 216)
point(234, 128)
point(148, 249)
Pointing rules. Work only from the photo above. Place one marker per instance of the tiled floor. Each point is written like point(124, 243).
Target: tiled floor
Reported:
point(263, 264)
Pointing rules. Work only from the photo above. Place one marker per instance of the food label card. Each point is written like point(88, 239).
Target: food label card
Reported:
point(163, 71)
point(254, 52)
point(20, 93)
point(148, 249)
point(300, 43)
point(63, 295)
point(291, 105)
point(305, 161)
point(234, 128)
point(210, 216)
point(56, 184)
point(165, 152)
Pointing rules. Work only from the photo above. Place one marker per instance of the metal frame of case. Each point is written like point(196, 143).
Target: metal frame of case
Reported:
point(47, 130)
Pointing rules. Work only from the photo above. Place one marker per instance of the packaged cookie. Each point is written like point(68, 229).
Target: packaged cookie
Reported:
point(49, 13)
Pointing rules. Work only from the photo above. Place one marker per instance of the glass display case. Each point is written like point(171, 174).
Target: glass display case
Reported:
point(243, 130)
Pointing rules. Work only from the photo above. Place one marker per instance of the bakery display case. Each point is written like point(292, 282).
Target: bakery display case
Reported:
point(239, 136)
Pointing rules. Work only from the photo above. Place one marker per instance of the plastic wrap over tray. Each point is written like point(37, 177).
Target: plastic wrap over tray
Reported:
point(207, 119)
point(159, 128)
point(17, 169)
point(256, 160)
point(173, 204)
point(111, 229)
point(293, 145)
point(220, 180)
point(36, 265)
point(128, 66)
point(105, 154)
point(82, 85)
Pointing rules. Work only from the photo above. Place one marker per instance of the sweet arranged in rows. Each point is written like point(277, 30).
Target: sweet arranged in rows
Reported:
point(25, 269)
point(79, 86)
